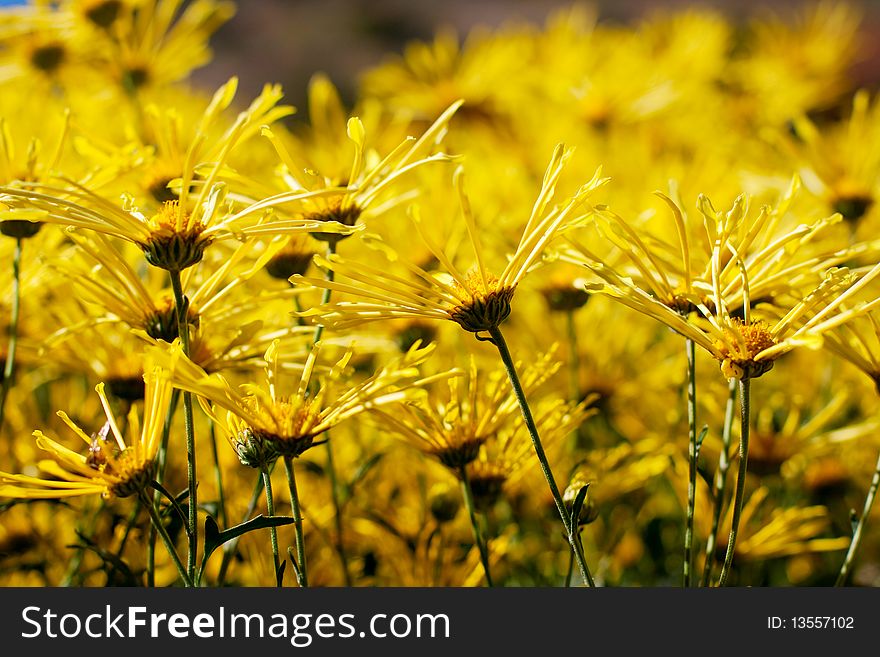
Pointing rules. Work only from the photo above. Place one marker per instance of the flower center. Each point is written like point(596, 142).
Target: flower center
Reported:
point(48, 57)
point(853, 207)
point(740, 352)
point(483, 309)
point(287, 430)
point(175, 242)
point(459, 451)
point(294, 258)
point(162, 325)
point(347, 216)
point(103, 13)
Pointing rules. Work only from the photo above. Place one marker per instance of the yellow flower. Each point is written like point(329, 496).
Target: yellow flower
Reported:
point(507, 454)
point(840, 163)
point(175, 237)
point(29, 164)
point(790, 67)
point(111, 466)
point(161, 41)
point(778, 532)
point(230, 325)
point(262, 424)
point(477, 408)
point(362, 183)
point(738, 258)
point(858, 342)
point(477, 300)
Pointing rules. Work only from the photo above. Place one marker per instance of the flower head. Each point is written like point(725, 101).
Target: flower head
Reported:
point(175, 237)
point(262, 423)
point(699, 301)
point(476, 300)
point(454, 428)
point(109, 465)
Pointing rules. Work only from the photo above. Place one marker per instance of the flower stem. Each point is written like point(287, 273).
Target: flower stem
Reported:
point(860, 528)
point(571, 532)
point(218, 475)
point(325, 297)
point(744, 405)
point(302, 574)
point(337, 512)
point(331, 463)
point(720, 483)
point(9, 367)
point(690, 347)
point(192, 524)
point(468, 495)
point(161, 460)
point(570, 570)
point(273, 532)
point(169, 545)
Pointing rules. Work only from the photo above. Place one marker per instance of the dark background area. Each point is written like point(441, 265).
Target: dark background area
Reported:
point(286, 41)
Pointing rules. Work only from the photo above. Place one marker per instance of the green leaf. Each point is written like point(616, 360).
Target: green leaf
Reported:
point(700, 440)
point(214, 538)
point(577, 506)
point(296, 571)
point(279, 576)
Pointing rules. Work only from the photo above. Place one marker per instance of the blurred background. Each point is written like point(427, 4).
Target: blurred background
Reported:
point(287, 41)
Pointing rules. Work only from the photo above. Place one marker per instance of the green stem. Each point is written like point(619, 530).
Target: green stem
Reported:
point(161, 460)
point(744, 404)
point(163, 533)
point(860, 528)
point(302, 574)
point(273, 533)
point(337, 508)
point(468, 495)
point(331, 464)
point(690, 347)
point(229, 547)
point(9, 367)
point(570, 570)
point(571, 532)
point(325, 297)
point(218, 476)
point(192, 525)
point(720, 483)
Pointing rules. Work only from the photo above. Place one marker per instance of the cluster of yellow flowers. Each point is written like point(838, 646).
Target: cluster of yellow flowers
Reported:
point(445, 311)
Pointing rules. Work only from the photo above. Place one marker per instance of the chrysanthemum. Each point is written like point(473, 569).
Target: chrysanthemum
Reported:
point(110, 466)
point(175, 237)
point(262, 424)
point(41, 47)
point(159, 42)
point(507, 453)
point(365, 185)
point(840, 163)
point(790, 67)
point(478, 300)
point(478, 407)
point(738, 265)
point(31, 163)
point(228, 324)
point(774, 533)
